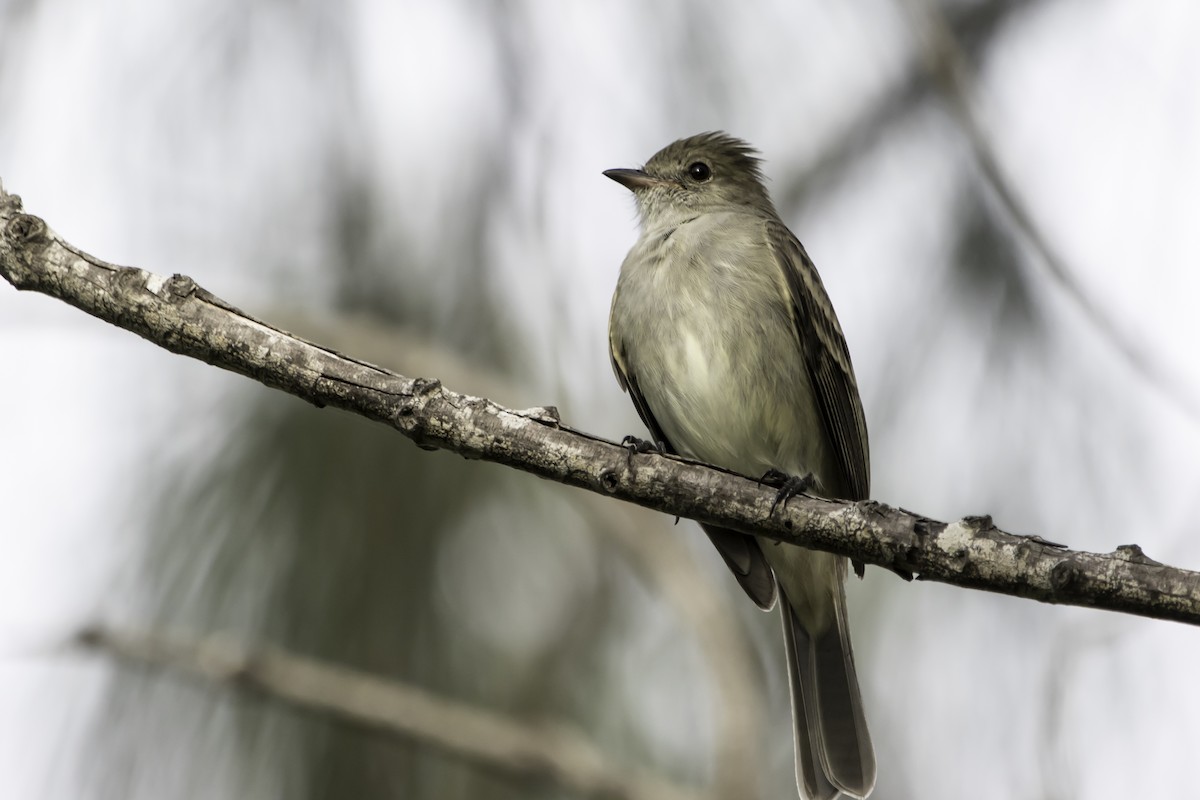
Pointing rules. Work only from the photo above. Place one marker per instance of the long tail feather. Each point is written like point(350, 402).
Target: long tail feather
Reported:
point(833, 745)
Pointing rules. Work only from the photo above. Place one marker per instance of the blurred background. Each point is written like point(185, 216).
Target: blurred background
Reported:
point(419, 185)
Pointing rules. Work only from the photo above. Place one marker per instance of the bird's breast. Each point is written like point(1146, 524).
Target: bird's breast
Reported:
point(709, 336)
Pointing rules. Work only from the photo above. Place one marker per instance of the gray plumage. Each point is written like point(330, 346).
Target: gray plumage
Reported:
point(725, 339)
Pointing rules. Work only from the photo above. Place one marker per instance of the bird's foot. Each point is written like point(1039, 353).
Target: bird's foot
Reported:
point(788, 486)
point(638, 446)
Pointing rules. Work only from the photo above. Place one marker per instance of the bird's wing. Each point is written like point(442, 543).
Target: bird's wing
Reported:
point(628, 382)
point(827, 360)
point(741, 552)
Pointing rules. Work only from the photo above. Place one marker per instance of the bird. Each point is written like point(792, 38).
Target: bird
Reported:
point(724, 337)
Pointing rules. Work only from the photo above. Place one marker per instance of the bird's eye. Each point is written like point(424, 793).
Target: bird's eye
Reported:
point(700, 171)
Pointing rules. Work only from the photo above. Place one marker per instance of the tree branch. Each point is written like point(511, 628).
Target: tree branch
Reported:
point(544, 752)
point(179, 316)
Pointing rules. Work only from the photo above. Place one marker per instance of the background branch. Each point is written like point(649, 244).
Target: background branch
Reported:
point(525, 751)
point(180, 316)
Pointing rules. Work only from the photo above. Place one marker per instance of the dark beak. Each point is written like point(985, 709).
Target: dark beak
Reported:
point(631, 179)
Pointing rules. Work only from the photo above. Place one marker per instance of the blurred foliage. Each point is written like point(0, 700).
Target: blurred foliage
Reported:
point(988, 272)
point(314, 531)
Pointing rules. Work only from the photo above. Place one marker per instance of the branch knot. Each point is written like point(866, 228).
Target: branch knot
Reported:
point(26, 229)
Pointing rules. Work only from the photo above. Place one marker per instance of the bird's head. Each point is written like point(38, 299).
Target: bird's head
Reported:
point(702, 173)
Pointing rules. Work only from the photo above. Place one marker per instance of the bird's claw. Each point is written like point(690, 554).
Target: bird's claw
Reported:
point(774, 477)
point(636, 445)
point(788, 486)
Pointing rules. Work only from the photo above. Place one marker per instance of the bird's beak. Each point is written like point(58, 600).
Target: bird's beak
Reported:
point(631, 179)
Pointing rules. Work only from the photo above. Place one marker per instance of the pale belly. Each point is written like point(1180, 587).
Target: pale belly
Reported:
point(744, 406)
point(721, 414)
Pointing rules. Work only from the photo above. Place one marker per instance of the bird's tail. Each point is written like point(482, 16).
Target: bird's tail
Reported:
point(833, 746)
